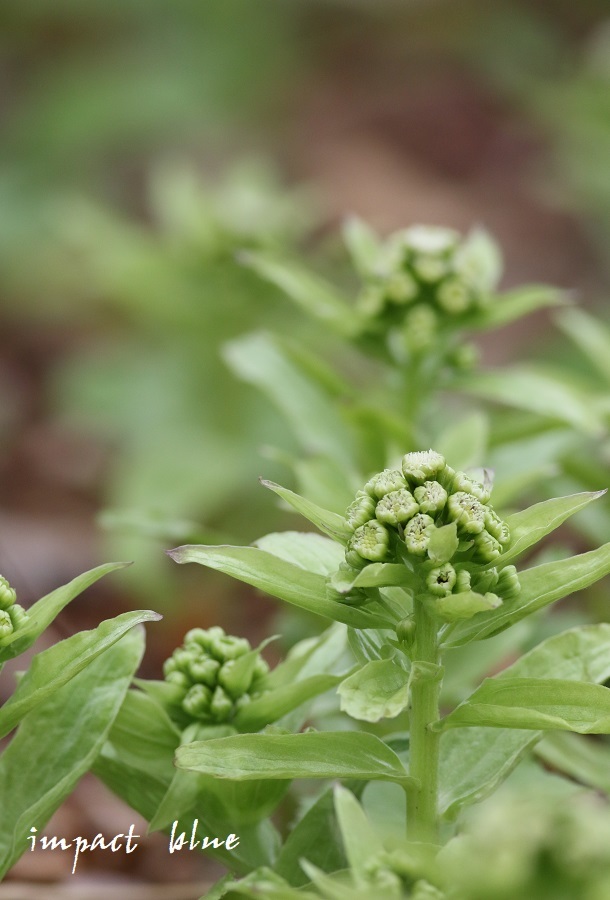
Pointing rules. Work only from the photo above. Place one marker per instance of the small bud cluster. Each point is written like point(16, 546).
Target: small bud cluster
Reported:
point(12, 615)
point(395, 517)
point(218, 674)
point(425, 277)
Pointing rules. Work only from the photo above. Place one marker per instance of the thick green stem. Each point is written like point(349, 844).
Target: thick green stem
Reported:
point(422, 804)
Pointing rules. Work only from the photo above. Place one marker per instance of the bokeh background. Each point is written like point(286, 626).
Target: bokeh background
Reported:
point(143, 145)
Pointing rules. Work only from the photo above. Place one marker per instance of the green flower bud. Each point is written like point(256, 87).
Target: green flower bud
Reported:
point(454, 296)
point(463, 482)
point(487, 547)
point(417, 534)
point(465, 357)
point(431, 497)
point(430, 239)
point(360, 511)
point(261, 669)
point(485, 581)
point(6, 625)
point(429, 268)
point(8, 595)
point(230, 647)
point(496, 527)
point(441, 581)
point(405, 631)
point(221, 705)
point(467, 512)
point(397, 507)
point(401, 288)
point(462, 581)
point(371, 541)
point(508, 583)
point(204, 670)
point(423, 465)
point(387, 481)
point(178, 678)
point(354, 560)
point(197, 637)
point(18, 615)
point(182, 659)
point(197, 702)
point(420, 327)
point(372, 300)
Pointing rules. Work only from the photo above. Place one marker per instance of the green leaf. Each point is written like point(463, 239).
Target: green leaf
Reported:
point(42, 613)
point(363, 245)
point(579, 758)
point(590, 334)
point(279, 578)
point(286, 756)
point(309, 408)
point(309, 657)
point(314, 838)
point(330, 523)
point(520, 302)
point(465, 605)
point(54, 667)
point(540, 586)
point(534, 703)
point(360, 840)
point(538, 392)
point(311, 552)
point(532, 524)
point(272, 705)
point(474, 761)
point(375, 575)
point(378, 690)
point(58, 742)
point(311, 293)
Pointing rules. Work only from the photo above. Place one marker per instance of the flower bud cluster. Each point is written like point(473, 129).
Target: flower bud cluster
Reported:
point(217, 673)
point(12, 615)
point(396, 517)
point(426, 276)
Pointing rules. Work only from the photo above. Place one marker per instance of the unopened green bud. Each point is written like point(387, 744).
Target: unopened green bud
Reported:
point(429, 268)
point(230, 647)
point(401, 288)
point(387, 481)
point(261, 668)
point(371, 541)
point(465, 357)
point(197, 701)
point(508, 583)
point(467, 512)
point(485, 581)
point(487, 547)
point(431, 497)
point(361, 510)
point(18, 615)
point(178, 678)
point(454, 296)
point(204, 670)
point(420, 327)
point(371, 301)
point(423, 465)
point(496, 527)
point(430, 239)
point(182, 659)
point(221, 705)
point(405, 631)
point(417, 534)
point(197, 637)
point(8, 595)
point(354, 560)
point(397, 507)
point(6, 626)
point(441, 581)
point(463, 482)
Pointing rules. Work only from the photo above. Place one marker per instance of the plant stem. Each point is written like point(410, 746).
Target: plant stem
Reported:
point(422, 816)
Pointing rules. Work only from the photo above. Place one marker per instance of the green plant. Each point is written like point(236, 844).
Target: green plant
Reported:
point(62, 707)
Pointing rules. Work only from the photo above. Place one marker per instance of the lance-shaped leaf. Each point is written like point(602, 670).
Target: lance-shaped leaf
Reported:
point(378, 690)
point(520, 302)
point(330, 523)
point(532, 524)
point(310, 551)
point(272, 705)
point(540, 586)
point(44, 611)
point(314, 838)
point(590, 334)
point(534, 703)
point(376, 575)
point(311, 293)
point(325, 754)
point(538, 392)
point(309, 657)
point(443, 543)
point(54, 667)
point(58, 742)
point(577, 757)
point(279, 578)
point(474, 761)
